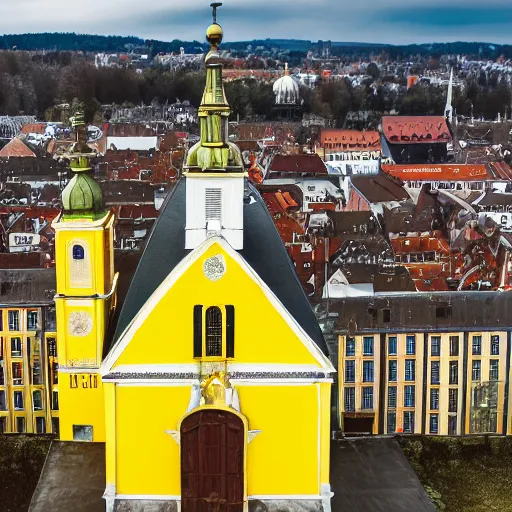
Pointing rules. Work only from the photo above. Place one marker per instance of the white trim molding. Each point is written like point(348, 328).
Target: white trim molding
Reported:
point(324, 364)
point(153, 382)
point(285, 497)
point(279, 382)
point(148, 497)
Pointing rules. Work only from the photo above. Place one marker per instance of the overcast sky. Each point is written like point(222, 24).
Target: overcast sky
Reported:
point(376, 21)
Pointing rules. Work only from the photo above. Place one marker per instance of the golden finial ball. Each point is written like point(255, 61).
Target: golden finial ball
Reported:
point(214, 34)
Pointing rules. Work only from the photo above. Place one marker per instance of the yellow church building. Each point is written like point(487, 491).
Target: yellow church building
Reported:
point(211, 386)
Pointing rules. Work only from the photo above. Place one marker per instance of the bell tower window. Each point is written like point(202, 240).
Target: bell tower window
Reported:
point(78, 252)
point(213, 332)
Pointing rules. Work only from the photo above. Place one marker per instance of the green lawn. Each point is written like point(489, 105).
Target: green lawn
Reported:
point(466, 474)
point(21, 462)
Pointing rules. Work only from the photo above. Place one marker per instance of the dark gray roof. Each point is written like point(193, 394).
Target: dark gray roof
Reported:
point(34, 286)
point(263, 251)
point(373, 475)
point(73, 479)
point(417, 312)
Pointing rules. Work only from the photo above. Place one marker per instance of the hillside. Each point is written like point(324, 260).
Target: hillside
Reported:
point(97, 43)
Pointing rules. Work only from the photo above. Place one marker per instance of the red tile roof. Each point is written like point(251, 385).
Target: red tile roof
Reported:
point(16, 148)
point(350, 140)
point(442, 172)
point(38, 128)
point(415, 129)
point(297, 164)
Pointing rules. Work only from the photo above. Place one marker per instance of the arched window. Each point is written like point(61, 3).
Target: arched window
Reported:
point(78, 252)
point(213, 332)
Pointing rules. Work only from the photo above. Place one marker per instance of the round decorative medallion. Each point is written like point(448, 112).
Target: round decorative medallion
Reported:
point(79, 323)
point(215, 267)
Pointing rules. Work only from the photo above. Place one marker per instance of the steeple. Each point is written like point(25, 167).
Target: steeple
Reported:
point(82, 196)
point(213, 152)
point(448, 110)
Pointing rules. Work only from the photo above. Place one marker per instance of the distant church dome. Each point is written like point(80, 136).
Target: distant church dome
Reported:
point(286, 89)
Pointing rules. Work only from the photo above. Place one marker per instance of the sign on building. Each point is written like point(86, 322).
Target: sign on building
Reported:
point(23, 242)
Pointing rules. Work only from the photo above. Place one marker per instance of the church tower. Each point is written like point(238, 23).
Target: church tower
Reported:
point(86, 287)
point(214, 169)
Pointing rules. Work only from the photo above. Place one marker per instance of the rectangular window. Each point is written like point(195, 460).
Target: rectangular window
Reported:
point(368, 346)
point(3, 401)
point(434, 399)
point(367, 371)
point(3, 425)
point(452, 425)
point(37, 378)
point(434, 372)
point(476, 370)
point(408, 422)
point(392, 345)
point(52, 347)
point(16, 347)
point(350, 349)
point(350, 399)
point(50, 320)
point(350, 371)
point(55, 426)
point(409, 396)
point(1, 345)
point(477, 345)
point(55, 373)
point(37, 400)
point(392, 366)
point(55, 400)
point(392, 397)
point(435, 346)
point(386, 316)
point(18, 401)
point(495, 345)
point(32, 321)
point(453, 400)
point(391, 422)
point(82, 433)
point(17, 374)
point(494, 365)
point(367, 398)
point(2, 378)
point(410, 345)
point(20, 425)
point(14, 320)
point(434, 423)
point(454, 372)
point(40, 425)
point(454, 346)
point(410, 369)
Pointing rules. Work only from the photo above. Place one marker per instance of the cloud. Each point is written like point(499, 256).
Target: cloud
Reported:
point(388, 21)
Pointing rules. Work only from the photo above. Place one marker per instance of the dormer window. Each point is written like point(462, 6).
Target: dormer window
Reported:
point(78, 252)
point(214, 332)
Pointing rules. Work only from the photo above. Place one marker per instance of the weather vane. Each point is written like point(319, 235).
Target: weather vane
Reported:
point(215, 5)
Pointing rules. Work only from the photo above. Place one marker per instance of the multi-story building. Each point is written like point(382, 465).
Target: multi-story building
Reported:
point(29, 398)
point(428, 363)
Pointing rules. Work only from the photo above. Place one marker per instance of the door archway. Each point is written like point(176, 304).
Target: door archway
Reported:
point(212, 462)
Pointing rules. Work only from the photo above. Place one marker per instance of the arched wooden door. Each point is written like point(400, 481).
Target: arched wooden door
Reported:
point(212, 462)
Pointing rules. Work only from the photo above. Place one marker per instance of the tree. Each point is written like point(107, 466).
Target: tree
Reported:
point(373, 70)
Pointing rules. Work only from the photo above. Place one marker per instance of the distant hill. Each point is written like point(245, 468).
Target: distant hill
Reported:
point(96, 43)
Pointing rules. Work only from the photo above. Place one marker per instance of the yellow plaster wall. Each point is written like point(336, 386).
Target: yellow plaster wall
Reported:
point(283, 459)
point(261, 334)
point(81, 405)
point(148, 459)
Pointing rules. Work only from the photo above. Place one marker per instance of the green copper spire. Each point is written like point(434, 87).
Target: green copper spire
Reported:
point(82, 196)
point(214, 152)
